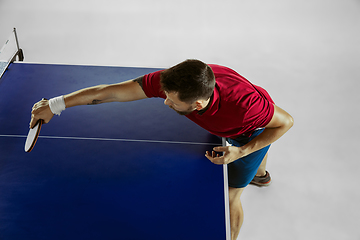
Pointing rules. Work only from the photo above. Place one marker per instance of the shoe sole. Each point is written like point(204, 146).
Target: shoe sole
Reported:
point(260, 184)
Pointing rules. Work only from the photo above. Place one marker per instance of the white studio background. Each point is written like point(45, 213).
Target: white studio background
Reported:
point(305, 53)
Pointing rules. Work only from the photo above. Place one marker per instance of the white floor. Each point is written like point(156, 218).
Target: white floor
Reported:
point(305, 53)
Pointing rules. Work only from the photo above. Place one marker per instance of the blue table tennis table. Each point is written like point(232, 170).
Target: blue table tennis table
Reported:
point(132, 170)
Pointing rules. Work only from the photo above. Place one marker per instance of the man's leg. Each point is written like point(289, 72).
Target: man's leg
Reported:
point(262, 177)
point(262, 169)
point(236, 211)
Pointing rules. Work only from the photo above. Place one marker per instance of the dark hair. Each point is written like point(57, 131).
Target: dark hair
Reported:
point(191, 79)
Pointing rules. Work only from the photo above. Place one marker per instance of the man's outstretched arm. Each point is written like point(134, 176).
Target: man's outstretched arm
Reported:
point(120, 92)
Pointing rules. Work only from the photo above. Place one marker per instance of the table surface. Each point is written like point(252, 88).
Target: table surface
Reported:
point(132, 170)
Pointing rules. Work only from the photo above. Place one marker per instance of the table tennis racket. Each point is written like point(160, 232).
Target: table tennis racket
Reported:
point(33, 136)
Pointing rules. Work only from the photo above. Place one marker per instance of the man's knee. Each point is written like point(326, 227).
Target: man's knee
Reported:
point(235, 193)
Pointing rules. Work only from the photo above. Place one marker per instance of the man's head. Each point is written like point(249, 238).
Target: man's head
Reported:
point(190, 83)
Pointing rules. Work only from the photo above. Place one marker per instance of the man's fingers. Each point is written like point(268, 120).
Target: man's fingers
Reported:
point(214, 158)
point(220, 149)
point(33, 122)
point(40, 110)
point(214, 154)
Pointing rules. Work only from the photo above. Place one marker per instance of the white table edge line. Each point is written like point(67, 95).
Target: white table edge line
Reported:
point(114, 139)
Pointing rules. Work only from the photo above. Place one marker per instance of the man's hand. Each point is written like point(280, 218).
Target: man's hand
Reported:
point(230, 154)
point(41, 110)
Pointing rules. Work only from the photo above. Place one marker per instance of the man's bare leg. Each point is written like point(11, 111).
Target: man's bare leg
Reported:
point(262, 169)
point(236, 211)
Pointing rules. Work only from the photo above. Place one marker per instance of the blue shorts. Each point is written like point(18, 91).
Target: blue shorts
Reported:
point(243, 170)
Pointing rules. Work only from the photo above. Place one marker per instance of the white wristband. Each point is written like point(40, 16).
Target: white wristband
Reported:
point(57, 105)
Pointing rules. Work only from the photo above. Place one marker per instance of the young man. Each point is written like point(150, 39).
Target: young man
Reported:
point(216, 98)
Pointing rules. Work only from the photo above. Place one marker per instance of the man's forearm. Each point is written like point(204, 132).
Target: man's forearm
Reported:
point(87, 96)
point(280, 123)
point(120, 92)
point(267, 137)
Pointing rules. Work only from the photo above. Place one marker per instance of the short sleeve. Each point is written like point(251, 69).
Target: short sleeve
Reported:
point(152, 86)
point(260, 112)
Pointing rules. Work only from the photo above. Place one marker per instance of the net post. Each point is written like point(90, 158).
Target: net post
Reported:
point(19, 52)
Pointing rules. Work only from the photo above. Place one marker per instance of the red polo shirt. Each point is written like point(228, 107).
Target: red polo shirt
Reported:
point(236, 108)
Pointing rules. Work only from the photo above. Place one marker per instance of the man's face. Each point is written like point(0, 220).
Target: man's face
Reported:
point(178, 106)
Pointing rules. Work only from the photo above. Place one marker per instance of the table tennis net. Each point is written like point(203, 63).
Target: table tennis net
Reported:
point(9, 51)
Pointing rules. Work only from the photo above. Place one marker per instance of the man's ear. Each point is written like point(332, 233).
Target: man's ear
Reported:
point(199, 105)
